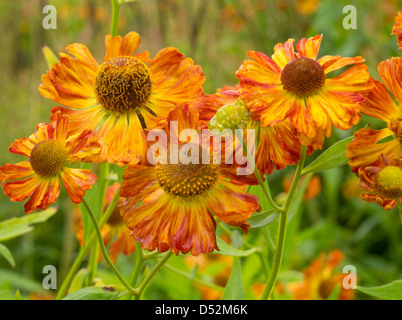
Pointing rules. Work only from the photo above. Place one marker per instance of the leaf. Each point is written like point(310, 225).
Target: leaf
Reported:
point(93, 293)
point(50, 57)
point(15, 227)
point(234, 287)
point(7, 254)
point(228, 250)
point(19, 281)
point(390, 291)
point(78, 280)
point(334, 156)
point(259, 220)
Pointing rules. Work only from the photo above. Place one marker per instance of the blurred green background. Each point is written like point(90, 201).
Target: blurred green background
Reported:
point(216, 34)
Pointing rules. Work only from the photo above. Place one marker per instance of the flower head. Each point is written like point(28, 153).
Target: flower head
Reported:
point(169, 204)
point(121, 97)
point(295, 86)
point(49, 150)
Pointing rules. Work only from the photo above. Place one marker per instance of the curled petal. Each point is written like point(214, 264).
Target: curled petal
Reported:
point(77, 181)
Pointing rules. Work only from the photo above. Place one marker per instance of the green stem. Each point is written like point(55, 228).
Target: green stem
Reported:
point(153, 273)
point(83, 252)
point(104, 252)
point(139, 263)
point(264, 186)
point(115, 17)
point(282, 229)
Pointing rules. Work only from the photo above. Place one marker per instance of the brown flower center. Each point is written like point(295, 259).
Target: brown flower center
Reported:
point(303, 77)
point(389, 182)
point(187, 180)
point(48, 157)
point(123, 84)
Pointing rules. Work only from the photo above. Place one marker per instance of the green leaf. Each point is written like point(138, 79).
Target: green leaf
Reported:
point(15, 227)
point(50, 57)
point(259, 220)
point(7, 254)
point(93, 293)
point(18, 295)
point(390, 291)
point(334, 156)
point(234, 288)
point(228, 250)
point(20, 282)
point(78, 280)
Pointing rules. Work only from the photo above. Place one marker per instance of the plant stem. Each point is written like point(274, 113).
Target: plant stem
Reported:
point(115, 17)
point(264, 186)
point(139, 263)
point(83, 252)
point(282, 229)
point(153, 273)
point(104, 252)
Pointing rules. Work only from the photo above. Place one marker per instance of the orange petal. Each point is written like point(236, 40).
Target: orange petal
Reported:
point(332, 63)
point(284, 53)
point(45, 194)
point(15, 171)
point(84, 146)
point(364, 150)
point(61, 127)
point(23, 146)
point(379, 103)
point(21, 189)
point(70, 83)
point(309, 47)
point(397, 29)
point(117, 46)
point(82, 53)
point(232, 205)
point(390, 71)
point(43, 132)
point(136, 178)
point(77, 181)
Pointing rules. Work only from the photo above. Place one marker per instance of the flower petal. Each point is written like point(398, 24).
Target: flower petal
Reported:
point(15, 171)
point(391, 72)
point(117, 46)
point(77, 181)
point(309, 47)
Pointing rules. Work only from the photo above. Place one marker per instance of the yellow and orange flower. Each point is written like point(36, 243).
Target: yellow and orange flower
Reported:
point(114, 232)
point(170, 205)
point(125, 94)
point(278, 145)
point(383, 182)
point(49, 150)
point(397, 29)
point(295, 86)
point(320, 279)
point(368, 145)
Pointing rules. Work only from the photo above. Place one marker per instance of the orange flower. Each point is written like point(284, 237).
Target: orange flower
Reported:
point(383, 182)
point(177, 199)
point(114, 232)
point(397, 29)
point(296, 86)
point(320, 279)
point(368, 144)
point(278, 145)
point(121, 97)
point(49, 150)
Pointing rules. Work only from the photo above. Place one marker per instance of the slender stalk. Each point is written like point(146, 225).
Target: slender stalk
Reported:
point(264, 186)
point(83, 252)
point(153, 273)
point(282, 230)
point(139, 263)
point(115, 17)
point(104, 252)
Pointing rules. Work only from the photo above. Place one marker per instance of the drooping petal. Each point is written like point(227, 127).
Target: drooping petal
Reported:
point(332, 63)
point(83, 146)
point(19, 190)
point(45, 194)
point(379, 103)
point(164, 224)
point(390, 71)
point(77, 181)
point(232, 205)
point(22, 146)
